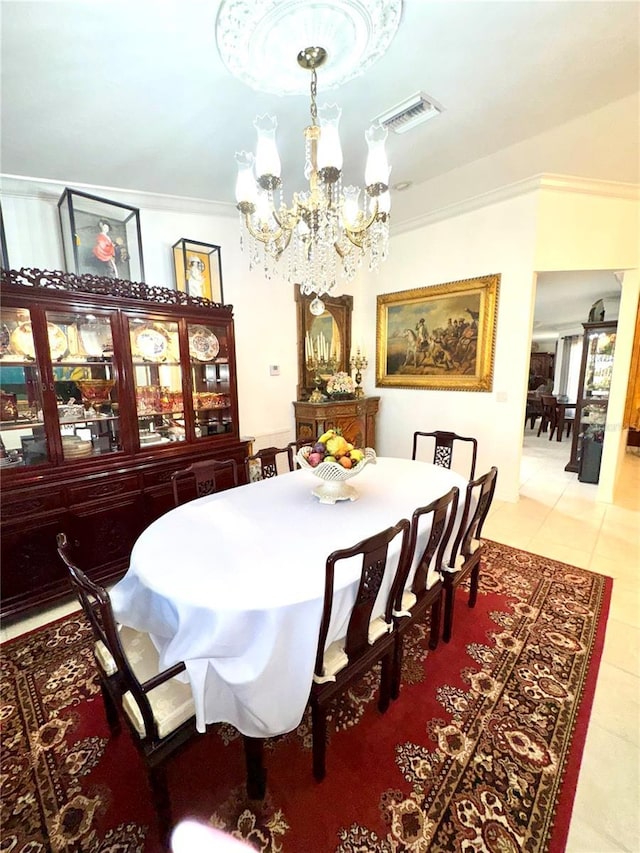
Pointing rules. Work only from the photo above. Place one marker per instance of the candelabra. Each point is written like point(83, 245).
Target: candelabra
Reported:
point(317, 366)
point(358, 363)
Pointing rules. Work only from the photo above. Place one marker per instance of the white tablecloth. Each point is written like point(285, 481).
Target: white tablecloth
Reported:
point(232, 584)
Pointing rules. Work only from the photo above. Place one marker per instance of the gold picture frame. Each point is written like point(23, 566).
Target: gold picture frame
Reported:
point(439, 338)
point(198, 269)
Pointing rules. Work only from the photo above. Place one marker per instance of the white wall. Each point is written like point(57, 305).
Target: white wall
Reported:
point(578, 231)
point(497, 239)
point(264, 311)
point(544, 229)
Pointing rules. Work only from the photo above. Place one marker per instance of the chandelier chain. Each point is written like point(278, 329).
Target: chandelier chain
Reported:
point(314, 92)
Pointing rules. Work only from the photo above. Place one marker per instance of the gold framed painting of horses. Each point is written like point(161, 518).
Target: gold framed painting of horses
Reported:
point(440, 337)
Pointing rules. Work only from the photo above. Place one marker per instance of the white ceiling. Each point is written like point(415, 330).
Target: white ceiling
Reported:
point(564, 299)
point(132, 93)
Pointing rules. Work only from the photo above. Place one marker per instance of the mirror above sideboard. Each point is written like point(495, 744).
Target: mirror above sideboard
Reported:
point(330, 332)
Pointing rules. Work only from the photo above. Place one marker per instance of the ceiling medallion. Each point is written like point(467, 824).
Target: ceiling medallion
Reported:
point(258, 39)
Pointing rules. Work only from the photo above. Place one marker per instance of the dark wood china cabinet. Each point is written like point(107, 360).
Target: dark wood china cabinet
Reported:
point(107, 387)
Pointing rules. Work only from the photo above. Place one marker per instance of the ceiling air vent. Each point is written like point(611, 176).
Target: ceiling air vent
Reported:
point(410, 113)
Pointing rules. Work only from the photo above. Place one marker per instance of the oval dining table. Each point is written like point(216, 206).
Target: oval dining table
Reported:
point(233, 584)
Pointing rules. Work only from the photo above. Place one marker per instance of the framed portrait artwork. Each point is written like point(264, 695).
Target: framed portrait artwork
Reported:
point(198, 269)
point(440, 337)
point(100, 237)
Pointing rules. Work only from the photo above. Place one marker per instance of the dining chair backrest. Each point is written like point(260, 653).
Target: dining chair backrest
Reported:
point(549, 418)
point(431, 526)
point(367, 640)
point(204, 478)
point(158, 708)
point(478, 499)
point(96, 605)
point(294, 447)
point(373, 551)
point(443, 448)
point(436, 520)
point(268, 462)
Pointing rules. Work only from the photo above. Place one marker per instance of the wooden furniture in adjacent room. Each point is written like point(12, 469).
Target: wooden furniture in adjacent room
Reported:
point(117, 385)
point(593, 399)
point(541, 366)
point(356, 418)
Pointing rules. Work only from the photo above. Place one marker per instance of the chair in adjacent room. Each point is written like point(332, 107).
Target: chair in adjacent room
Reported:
point(444, 443)
point(431, 529)
point(534, 408)
point(367, 640)
point(467, 550)
point(204, 478)
point(265, 463)
point(157, 708)
point(549, 419)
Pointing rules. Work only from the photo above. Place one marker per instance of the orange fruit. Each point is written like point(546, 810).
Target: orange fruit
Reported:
point(345, 461)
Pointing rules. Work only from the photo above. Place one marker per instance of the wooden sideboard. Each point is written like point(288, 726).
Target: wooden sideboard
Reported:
point(108, 387)
point(356, 418)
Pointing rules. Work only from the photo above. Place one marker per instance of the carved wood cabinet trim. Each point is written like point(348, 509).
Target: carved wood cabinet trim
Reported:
point(356, 419)
point(106, 499)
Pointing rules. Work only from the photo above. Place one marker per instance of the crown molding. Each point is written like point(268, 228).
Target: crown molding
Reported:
point(44, 189)
point(557, 183)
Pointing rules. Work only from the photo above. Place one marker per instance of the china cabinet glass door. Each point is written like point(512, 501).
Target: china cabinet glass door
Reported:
point(84, 381)
point(23, 440)
point(209, 357)
point(155, 352)
point(593, 399)
point(597, 381)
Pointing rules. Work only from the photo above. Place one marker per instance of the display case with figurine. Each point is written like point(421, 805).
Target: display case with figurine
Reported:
point(593, 399)
point(106, 388)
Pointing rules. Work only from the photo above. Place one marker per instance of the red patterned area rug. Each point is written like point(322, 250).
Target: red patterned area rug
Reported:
point(481, 751)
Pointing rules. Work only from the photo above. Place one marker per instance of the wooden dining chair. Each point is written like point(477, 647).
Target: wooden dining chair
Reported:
point(367, 640)
point(534, 408)
point(294, 447)
point(157, 708)
point(433, 525)
point(204, 478)
point(264, 463)
point(444, 443)
point(467, 550)
point(549, 419)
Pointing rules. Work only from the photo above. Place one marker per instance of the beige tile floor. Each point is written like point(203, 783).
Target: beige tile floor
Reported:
point(560, 518)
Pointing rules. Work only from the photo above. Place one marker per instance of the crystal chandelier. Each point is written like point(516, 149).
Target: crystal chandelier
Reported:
point(327, 230)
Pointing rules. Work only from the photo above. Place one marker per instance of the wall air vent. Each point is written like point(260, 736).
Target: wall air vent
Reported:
point(410, 113)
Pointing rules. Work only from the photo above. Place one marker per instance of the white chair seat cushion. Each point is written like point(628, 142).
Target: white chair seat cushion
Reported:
point(171, 703)
point(475, 544)
point(408, 600)
point(335, 658)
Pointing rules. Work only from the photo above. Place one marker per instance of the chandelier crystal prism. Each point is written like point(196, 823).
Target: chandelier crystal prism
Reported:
point(327, 230)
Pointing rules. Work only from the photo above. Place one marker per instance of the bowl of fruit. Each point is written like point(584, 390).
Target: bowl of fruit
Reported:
point(334, 460)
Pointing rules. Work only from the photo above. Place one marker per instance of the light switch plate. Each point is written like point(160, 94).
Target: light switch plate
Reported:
point(274, 369)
